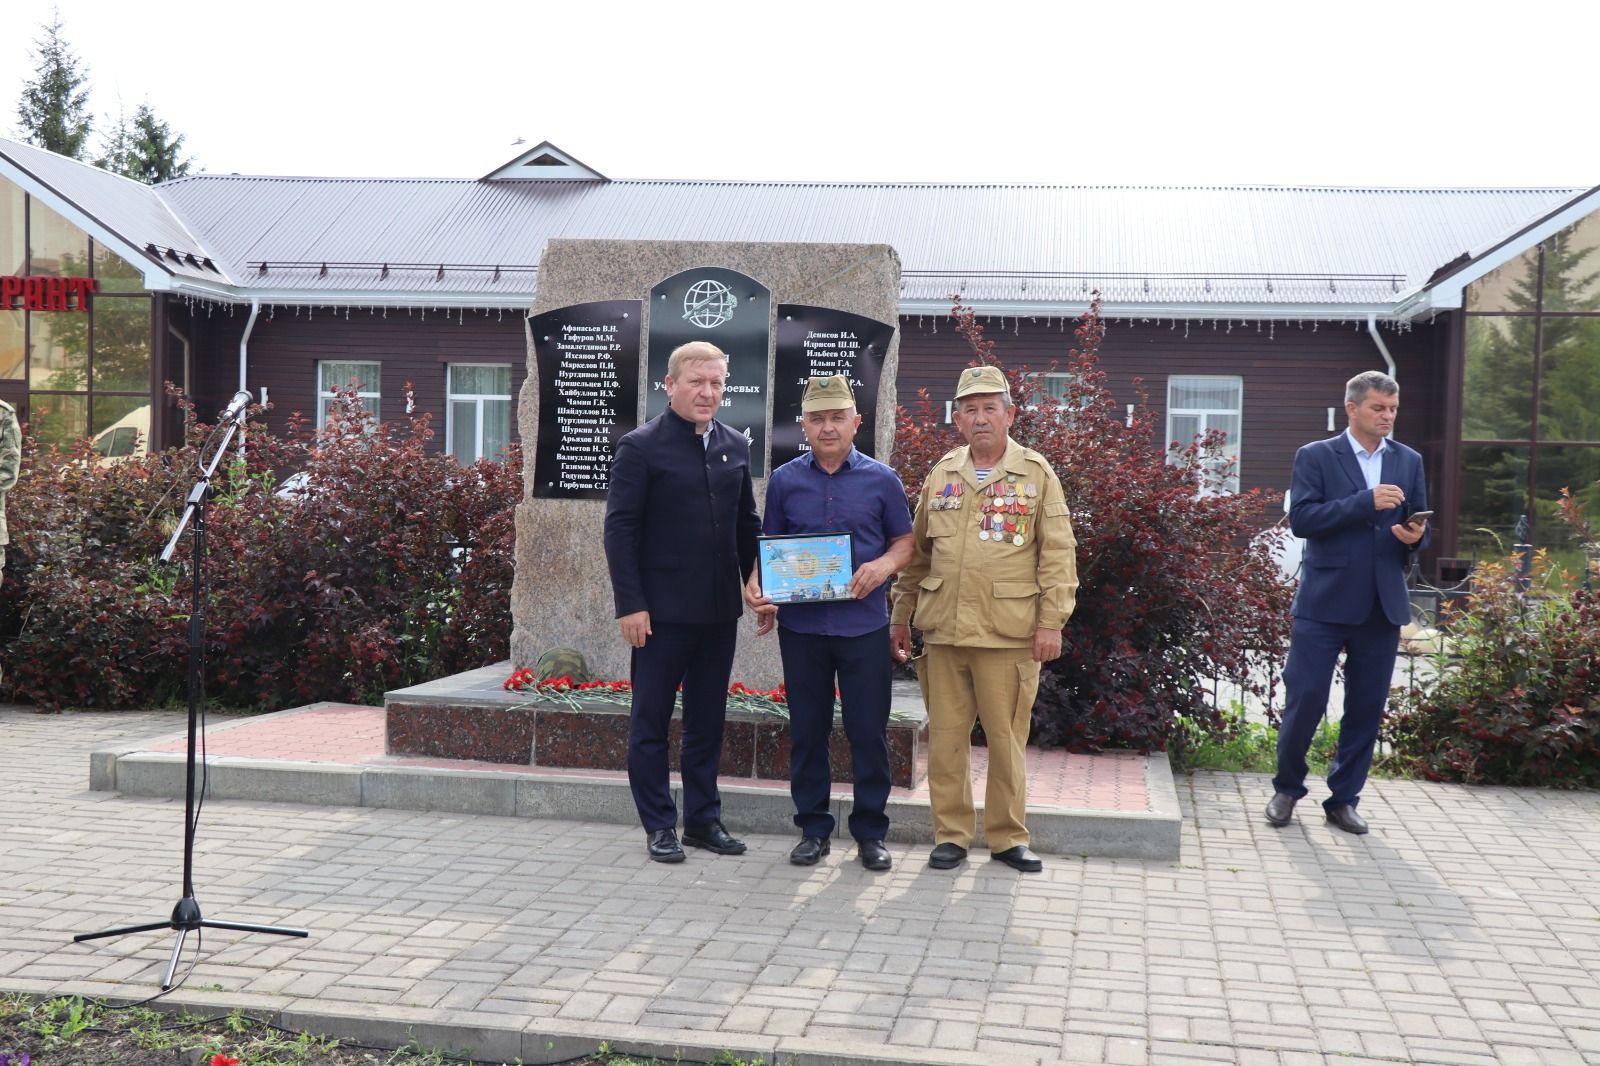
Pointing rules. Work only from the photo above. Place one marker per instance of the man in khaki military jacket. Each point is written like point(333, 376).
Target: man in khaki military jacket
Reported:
point(993, 580)
point(10, 460)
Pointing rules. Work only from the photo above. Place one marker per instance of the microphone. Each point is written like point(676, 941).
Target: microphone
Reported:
point(236, 406)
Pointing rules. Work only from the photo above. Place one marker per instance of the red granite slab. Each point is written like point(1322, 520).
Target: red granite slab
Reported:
point(484, 734)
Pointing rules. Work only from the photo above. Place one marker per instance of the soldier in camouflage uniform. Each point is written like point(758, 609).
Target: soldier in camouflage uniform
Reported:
point(10, 460)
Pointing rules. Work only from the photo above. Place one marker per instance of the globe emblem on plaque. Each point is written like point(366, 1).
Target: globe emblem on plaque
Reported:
point(708, 304)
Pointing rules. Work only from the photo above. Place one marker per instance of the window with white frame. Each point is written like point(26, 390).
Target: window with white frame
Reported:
point(478, 410)
point(1196, 406)
point(363, 377)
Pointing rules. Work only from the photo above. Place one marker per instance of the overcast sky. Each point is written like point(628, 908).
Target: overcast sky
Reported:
point(1404, 93)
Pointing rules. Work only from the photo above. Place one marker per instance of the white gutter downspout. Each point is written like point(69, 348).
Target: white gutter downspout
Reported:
point(1372, 328)
point(244, 347)
point(255, 309)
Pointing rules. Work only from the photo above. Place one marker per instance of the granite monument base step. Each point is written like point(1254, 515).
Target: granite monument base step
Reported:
point(471, 716)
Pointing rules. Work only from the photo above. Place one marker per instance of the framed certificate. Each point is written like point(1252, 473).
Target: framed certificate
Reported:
point(806, 567)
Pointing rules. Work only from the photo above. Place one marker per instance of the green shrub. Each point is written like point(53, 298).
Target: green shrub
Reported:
point(1243, 746)
point(1515, 697)
point(391, 565)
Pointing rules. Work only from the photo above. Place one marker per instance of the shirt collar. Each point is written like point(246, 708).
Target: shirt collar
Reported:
point(1362, 453)
point(850, 459)
point(686, 426)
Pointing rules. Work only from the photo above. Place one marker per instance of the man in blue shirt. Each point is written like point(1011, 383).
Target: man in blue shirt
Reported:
point(836, 489)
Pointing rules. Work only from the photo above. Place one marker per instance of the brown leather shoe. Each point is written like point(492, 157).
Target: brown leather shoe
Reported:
point(1280, 808)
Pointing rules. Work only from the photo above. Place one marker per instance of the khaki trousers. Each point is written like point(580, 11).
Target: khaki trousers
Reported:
point(996, 686)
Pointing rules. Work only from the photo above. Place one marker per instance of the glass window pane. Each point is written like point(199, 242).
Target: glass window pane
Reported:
point(1512, 286)
point(1203, 393)
point(496, 428)
point(1569, 380)
point(58, 419)
point(13, 350)
point(1497, 396)
point(1494, 498)
point(56, 246)
point(1183, 429)
point(464, 430)
point(1577, 469)
point(58, 347)
point(469, 380)
point(114, 273)
point(121, 425)
point(1228, 424)
point(122, 344)
point(1572, 267)
point(342, 375)
point(13, 230)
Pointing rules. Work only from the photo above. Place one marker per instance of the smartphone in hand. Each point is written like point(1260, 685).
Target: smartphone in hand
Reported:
point(1419, 518)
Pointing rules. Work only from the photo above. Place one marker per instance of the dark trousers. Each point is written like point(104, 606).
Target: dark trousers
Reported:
point(700, 657)
point(1370, 649)
point(861, 664)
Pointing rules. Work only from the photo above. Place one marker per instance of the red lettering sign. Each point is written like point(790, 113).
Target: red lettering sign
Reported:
point(46, 294)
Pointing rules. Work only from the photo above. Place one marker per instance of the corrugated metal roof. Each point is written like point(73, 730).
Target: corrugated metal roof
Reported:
point(1034, 245)
point(1026, 243)
point(132, 210)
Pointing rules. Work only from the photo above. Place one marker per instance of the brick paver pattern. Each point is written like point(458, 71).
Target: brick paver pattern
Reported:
point(1464, 930)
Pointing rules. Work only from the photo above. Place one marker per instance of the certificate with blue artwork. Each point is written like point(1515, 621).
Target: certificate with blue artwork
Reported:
point(806, 567)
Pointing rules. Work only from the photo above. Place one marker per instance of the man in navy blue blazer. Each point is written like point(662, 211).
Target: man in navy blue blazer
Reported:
point(1353, 499)
point(680, 538)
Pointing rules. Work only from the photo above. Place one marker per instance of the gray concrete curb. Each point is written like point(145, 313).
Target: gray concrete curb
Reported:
point(1153, 835)
point(545, 1041)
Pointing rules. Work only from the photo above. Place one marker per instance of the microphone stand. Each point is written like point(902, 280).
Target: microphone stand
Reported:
point(186, 914)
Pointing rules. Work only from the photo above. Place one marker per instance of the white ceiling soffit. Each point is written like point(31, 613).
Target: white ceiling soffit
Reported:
point(544, 162)
point(1447, 293)
point(156, 274)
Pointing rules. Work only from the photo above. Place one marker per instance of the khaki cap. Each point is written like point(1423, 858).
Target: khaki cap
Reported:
point(827, 394)
point(976, 379)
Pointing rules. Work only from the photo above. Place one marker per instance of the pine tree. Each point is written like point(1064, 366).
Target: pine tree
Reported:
point(144, 149)
point(54, 109)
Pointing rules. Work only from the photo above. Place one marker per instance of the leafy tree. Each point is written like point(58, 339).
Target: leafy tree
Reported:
point(144, 149)
point(54, 110)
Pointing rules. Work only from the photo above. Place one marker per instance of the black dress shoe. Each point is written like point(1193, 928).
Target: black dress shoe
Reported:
point(873, 855)
point(1020, 858)
point(1344, 816)
point(947, 856)
point(664, 846)
point(712, 837)
point(809, 850)
point(1280, 808)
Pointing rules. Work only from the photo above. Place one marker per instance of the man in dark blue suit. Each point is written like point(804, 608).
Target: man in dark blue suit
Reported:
point(1357, 500)
point(681, 528)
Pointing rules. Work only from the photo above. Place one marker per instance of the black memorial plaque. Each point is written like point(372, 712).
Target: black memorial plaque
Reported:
point(588, 358)
point(730, 310)
point(818, 342)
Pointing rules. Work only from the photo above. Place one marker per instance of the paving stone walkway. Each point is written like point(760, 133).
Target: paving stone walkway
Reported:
point(1464, 930)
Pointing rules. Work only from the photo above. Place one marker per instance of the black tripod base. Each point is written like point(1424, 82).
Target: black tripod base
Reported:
point(186, 916)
